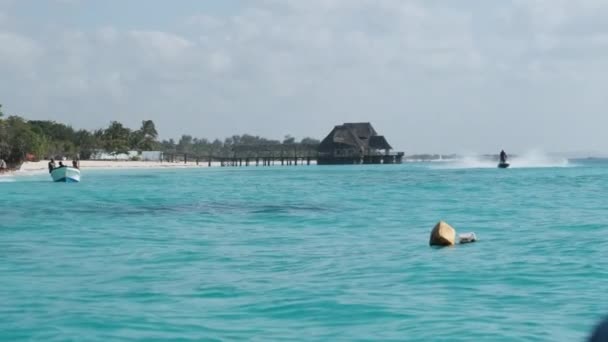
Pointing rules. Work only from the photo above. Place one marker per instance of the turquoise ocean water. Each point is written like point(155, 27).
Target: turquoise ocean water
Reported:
point(305, 253)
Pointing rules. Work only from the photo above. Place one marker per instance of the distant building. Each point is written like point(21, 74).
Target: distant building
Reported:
point(130, 155)
point(356, 143)
point(151, 155)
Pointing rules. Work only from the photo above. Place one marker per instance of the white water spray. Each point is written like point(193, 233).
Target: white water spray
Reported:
point(529, 159)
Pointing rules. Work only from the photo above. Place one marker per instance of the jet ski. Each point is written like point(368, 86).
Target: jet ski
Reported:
point(502, 164)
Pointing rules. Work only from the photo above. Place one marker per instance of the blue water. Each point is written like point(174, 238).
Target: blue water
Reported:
point(305, 253)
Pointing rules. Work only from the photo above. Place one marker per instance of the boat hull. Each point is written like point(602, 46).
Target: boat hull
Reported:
point(66, 175)
point(503, 165)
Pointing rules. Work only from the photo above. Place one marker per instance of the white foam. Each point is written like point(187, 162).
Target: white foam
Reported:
point(529, 159)
point(536, 158)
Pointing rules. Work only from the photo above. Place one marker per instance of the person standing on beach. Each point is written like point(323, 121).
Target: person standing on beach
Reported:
point(2, 165)
point(51, 165)
point(75, 164)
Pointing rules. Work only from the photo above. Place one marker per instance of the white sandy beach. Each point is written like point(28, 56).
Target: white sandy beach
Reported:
point(42, 166)
point(114, 164)
point(31, 168)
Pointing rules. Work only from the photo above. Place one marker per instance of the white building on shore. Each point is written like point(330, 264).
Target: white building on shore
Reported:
point(130, 155)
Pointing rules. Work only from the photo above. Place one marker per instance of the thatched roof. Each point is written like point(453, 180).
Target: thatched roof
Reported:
point(379, 142)
point(361, 136)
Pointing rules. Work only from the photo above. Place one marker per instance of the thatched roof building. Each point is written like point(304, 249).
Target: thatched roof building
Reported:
point(354, 143)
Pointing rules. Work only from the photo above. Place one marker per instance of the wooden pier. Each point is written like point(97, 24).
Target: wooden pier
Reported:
point(253, 155)
point(346, 144)
point(280, 155)
point(263, 159)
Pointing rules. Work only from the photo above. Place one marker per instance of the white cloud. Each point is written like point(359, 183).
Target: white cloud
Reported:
point(219, 61)
point(107, 35)
point(18, 51)
point(155, 44)
point(68, 2)
point(7, 3)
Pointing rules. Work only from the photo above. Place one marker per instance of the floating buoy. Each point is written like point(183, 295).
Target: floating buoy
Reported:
point(442, 235)
point(467, 238)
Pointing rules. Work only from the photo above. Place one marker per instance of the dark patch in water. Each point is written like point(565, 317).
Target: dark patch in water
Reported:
point(286, 209)
point(119, 210)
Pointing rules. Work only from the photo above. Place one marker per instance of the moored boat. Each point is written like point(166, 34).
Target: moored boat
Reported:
point(66, 174)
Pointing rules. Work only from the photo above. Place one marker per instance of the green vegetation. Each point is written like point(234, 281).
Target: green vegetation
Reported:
point(245, 145)
point(22, 139)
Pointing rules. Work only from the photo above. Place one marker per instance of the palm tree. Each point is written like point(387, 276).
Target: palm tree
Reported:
point(116, 138)
point(149, 129)
point(147, 135)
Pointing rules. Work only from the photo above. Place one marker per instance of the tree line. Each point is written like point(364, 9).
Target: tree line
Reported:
point(22, 139)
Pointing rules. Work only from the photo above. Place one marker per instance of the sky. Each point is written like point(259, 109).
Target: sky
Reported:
point(432, 76)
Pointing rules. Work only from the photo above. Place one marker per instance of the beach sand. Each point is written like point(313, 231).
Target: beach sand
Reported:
point(42, 166)
point(32, 168)
point(112, 164)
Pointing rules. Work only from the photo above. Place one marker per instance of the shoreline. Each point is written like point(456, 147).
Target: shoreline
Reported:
point(40, 167)
point(30, 168)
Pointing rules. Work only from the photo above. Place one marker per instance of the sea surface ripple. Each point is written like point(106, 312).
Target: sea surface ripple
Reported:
point(305, 253)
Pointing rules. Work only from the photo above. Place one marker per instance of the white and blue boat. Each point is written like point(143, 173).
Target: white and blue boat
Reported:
point(66, 174)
